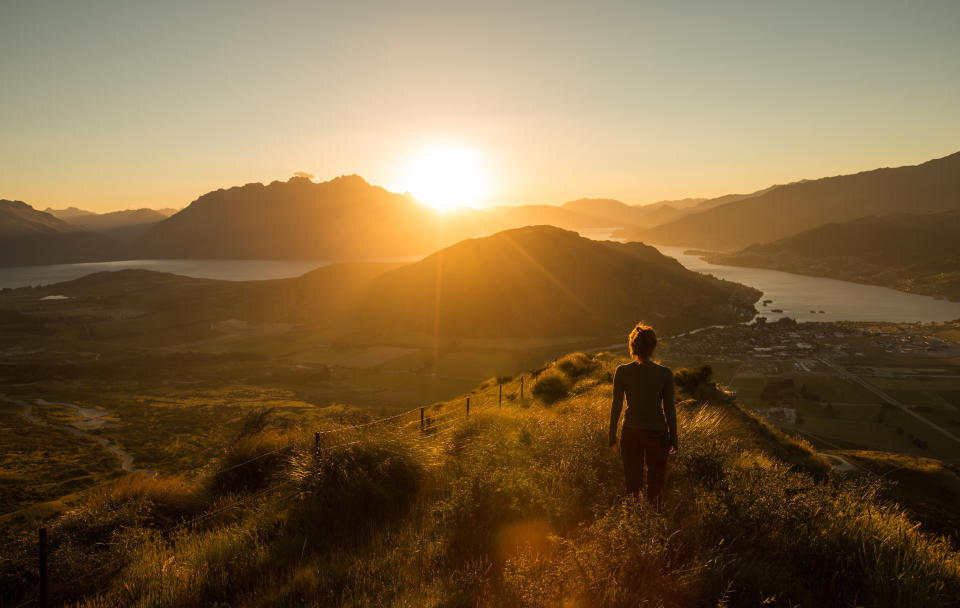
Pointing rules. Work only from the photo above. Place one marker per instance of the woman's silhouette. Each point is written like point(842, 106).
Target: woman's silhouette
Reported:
point(649, 431)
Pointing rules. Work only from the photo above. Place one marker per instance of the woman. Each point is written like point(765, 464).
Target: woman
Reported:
point(650, 420)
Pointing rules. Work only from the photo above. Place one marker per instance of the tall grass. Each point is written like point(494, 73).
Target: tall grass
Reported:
point(525, 507)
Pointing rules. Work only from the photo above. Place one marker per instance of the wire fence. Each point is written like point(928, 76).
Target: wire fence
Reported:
point(427, 430)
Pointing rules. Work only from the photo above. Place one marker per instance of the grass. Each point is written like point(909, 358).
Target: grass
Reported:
point(514, 506)
point(926, 487)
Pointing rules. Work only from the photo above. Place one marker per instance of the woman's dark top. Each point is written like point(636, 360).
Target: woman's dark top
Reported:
point(646, 385)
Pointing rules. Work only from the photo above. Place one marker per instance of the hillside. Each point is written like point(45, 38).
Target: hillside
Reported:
point(512, 505)
point(158, 303)
point(29, 237)
point(918, 253)
point(784, 211)
point(541, 280)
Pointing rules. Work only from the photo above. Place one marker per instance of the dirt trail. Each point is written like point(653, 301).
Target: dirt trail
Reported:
point(91, 415)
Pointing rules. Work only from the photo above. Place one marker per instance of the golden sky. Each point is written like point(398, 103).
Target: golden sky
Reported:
point(109, 105)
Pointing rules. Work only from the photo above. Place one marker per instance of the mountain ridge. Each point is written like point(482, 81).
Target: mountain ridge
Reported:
point(784, 210)
point(28, 237)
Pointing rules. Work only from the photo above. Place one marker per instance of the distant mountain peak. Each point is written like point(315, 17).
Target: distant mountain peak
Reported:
point(68, 213)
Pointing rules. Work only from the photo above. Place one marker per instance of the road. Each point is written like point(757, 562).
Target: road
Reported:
point(887, 398)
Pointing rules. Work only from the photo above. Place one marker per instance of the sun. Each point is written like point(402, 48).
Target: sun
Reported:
point(447, 177)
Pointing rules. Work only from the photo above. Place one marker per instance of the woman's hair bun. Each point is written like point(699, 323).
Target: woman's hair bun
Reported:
point(642, 341)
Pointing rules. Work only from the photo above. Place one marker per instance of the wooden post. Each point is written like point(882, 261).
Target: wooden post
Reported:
point(421, 419)
point(500, 396)
point(43, 568)
point(316, 442)
point(521, 388)
point(468, 406)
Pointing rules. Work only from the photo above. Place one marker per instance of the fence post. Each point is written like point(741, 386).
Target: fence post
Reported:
point(43, 568)
point(468, 406)
point(521, 388)
point(316, 442)
point(421, 419)
point(500, 396)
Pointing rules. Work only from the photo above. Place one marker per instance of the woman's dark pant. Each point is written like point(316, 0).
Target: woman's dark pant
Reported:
point(638, 446)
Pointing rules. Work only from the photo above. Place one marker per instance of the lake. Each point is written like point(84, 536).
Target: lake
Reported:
point(797, 295)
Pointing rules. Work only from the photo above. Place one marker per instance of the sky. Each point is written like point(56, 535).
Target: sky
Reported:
point(111, 105)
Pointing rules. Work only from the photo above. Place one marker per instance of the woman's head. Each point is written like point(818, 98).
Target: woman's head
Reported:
point(642, 341)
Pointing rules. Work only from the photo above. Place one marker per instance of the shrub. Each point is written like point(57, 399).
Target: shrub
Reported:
point(251, 462)
point(576, 365)
point(551, 386)
point(163, 499)
point(256, 421)
point(356, 483)
point(698, 384)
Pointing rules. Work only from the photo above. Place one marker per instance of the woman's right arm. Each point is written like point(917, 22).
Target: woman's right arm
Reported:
point(670, 409)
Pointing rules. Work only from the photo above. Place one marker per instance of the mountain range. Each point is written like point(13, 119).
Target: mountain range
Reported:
point(349, 219)
point(29, 237)
point(124, 227)
point(786, 210)
point(298, 219)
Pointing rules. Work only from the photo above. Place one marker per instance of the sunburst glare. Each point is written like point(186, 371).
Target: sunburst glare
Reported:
point(447, 177)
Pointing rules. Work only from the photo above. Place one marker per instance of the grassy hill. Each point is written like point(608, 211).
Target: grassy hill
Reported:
point(783, 211)
point(540, 280)
point(912, 252)
point(518, 505)
point(29, 237)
